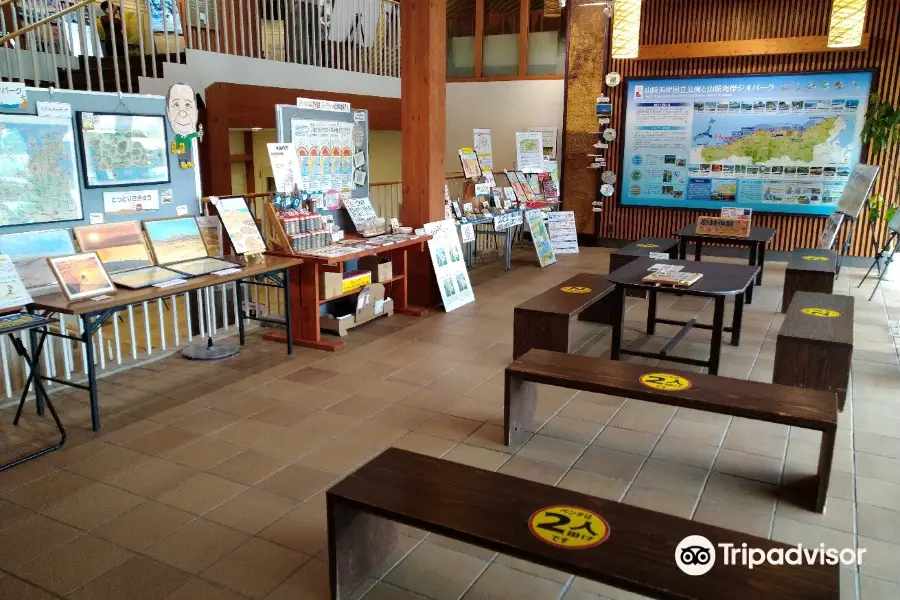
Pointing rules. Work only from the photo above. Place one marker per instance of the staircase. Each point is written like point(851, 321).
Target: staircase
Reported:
point(88, 74)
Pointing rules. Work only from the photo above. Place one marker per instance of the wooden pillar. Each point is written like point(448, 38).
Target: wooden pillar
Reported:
point(423, 81)
point(216, 173)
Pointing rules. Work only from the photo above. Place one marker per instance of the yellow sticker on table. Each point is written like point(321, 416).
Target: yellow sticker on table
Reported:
point(575, 289)
point(569, 527)
point(665, 382)
point(821, 312)
point(648, 246)
point(816, 258)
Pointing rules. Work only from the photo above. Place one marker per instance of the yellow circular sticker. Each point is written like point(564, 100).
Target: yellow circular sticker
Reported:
point(816, 258)
point(648, 246)
point(575, 289)
point(821, 312)
point(569, 527)
point(665, 382)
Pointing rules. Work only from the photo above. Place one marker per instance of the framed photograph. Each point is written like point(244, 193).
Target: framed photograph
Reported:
point(29, 252)
point(240, 226)
point(175, 240)
point(211, 230)
point(202, 266)
point(38, 170)
point(81, 275)
point(145, 277)
point(120, 246)
point(122, 150)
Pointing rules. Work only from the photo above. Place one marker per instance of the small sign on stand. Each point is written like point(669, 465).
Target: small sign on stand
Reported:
point(723, 227)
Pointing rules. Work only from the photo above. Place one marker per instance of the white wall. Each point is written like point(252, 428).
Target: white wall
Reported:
point(202, 69)
point(504, 107)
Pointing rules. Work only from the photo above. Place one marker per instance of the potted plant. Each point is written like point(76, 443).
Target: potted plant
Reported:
point(880, 129)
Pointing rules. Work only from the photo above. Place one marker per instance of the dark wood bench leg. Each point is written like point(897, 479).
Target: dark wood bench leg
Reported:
point(682, 247)
point(698, 249)
point(718, 330)
point(826, 456)
point(539, 330)
point(760, 262)
point(737, 320)
point(358, 543)
point(519, 407)
point(617, 312)
point(651, 313)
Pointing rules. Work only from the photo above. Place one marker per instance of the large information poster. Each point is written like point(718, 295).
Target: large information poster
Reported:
point(325, 152)
point(449, 266)
point(773, 143)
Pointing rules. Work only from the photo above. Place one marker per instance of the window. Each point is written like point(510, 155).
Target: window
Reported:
point(502, 24)
point(461, 38)
point(546, 38)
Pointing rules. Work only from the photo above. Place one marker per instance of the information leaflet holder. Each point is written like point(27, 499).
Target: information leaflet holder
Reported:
point(36, 326)
point(854, 197)
point(887, 252)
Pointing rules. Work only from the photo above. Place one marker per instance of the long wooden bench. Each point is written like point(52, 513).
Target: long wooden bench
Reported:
point(808, 270)
point(809, 409)
point(543, 321)
point(623, 546)
point(815, 344)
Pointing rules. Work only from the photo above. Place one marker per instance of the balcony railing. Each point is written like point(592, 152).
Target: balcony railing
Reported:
point(76, 45)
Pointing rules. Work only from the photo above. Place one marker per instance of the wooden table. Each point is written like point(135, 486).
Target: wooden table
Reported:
point(637, 249)
point(305, 299)
point(94, 313)
point(757, 240)
point(719, 281)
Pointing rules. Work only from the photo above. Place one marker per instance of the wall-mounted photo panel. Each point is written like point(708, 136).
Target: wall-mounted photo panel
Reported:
point(120, 246)
point(174, 240)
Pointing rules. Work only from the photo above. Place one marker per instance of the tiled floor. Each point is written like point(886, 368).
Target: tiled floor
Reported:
point(207, 479)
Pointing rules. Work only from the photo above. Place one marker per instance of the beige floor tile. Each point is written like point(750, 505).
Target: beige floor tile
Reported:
point(685, 452)
point(673, 503)
point(72, 565)
point(594, 485)
point(871, 588)
point(839, 514)
point(878, 467)
point(879, 445)
point(198, 589)
point(375, 435)
point(754, 442)
point(492, 437)
point(244, 404)
point(436, 572)
point(11, 587)
point(573, 594)
point(533, 470)
point(540, 571)
point(203, 454)
point(448, 427)
point(152, 478)
point(247, 433)
point(297, 482)
point(196, 546)
point(52, 489)
point(879, 523)
point(143, 526)
point(603, 590)
point(750, 466)
point(584, 410)
point(31, 537)
point(642, 416)
point(10, 514)
point(161, 441)
point(338, 457)
point(310, 582)
point(477, 457)
point(474, 409)
point(139, 578)
point(251, 511)
point(249, 467)
point(255, 568)
point(703, 433)
point(574, 430)
point(672, 476)
point(878, 493)
point(449, 544)
point(424, 444)
point(881, 560)
point(96, 505)
point(552, 450)
point(790, 531)
point(403, 417)
point(359, 407)
point(200, 494)
point(283, 414)
point(384, 591)
point(740, 493)
point(626, 440)
point(611, 463)
point(722, 515)
point(500, 582)
point(761, 427)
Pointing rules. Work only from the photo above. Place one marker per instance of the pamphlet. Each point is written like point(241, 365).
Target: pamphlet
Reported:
point(529, 152)
point(12, 290)
point(563, 234)
point(482, 142)
point(660, 268)
point(449, 266)
point(665, 277)
point(469, 162)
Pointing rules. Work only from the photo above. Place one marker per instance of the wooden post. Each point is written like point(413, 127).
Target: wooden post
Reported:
point(423, 132)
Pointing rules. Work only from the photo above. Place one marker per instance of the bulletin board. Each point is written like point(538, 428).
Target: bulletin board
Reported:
point(183, 187)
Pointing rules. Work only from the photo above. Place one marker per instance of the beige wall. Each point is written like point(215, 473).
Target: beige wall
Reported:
point(385, 160)
point(261, 167)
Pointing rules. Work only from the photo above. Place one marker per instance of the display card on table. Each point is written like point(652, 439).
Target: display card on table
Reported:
point(563, 234)
point(449, 266)
point(469, 162)
point(240, 225)
point(540, 238)
point(12, 290)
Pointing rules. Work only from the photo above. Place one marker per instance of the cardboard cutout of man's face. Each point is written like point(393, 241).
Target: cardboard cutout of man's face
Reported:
point(182, 109)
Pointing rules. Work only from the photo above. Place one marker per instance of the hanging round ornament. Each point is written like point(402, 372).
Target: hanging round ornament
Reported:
point(607, 190)
point(608, 177)
point(359, 136)
point(613, 79)
point(609, 134)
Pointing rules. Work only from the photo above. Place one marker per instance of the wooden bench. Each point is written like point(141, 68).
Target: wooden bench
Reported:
point(506, 514)
point(543, 321)
point(639, 249)
point(809, 270)
point(809, 409)
point(815, 344)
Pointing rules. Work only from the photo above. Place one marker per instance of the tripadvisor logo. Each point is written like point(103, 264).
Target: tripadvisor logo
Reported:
point(696, 555)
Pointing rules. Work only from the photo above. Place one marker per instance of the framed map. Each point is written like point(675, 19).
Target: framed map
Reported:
point(38, 173)
point(783, 143)
point(121, 150)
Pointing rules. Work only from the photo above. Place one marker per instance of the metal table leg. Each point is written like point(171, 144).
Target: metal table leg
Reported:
point(287, 311)
point(651, 312)
point(617, 312)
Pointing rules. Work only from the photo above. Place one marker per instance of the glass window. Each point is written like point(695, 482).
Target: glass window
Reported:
point(501, 37)
point(461, 38)
point(546, 38)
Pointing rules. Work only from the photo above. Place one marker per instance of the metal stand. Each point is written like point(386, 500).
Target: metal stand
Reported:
point(210, 351)
point(876, 264)
point(40, 394)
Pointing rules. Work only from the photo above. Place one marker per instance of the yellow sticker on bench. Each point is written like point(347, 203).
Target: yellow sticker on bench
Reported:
point(569, 527)
point(821, 312)
point(575, 289)
point(818, 258)
point(665, 382)
point(648, 245)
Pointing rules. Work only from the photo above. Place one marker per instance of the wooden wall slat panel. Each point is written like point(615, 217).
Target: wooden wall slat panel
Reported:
point(687, 21)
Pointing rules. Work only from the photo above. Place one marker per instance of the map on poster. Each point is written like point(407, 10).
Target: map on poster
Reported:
point(449, 266)
point(325, 152)
point(38, 173)
point(773, 143)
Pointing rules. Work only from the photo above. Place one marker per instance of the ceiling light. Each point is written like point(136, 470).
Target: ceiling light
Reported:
point(626, 28)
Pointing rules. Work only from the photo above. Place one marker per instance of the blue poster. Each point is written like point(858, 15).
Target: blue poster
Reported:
point(164, 17)
point(773, 143)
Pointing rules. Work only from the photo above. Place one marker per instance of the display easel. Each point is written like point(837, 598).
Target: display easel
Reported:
point(890, 248)
point(850, 205)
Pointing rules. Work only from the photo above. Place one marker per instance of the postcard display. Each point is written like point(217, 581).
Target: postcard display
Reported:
point(449, 264)
point(773, 143)
point(36, 221)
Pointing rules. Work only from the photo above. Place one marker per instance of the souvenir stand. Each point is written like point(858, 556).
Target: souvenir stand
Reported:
point(327, 220)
